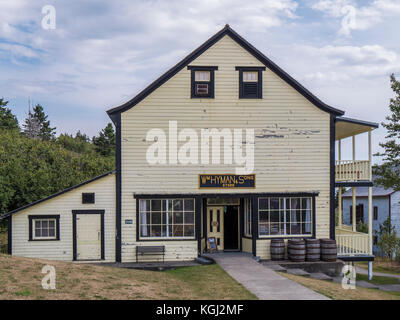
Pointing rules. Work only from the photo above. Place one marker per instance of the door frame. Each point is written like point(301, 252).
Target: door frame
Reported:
point(206, 222)
point(74, 242)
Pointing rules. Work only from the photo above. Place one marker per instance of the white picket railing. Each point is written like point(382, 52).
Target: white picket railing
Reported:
point(349, 170)
point(351, 243)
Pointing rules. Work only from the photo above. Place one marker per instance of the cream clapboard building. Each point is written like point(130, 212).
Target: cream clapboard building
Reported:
point(182, 198)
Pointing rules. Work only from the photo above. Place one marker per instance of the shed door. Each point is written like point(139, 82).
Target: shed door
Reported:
point(88, 237)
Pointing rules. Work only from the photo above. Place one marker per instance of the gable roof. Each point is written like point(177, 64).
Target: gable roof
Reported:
point(227, 30)
point(56, 194)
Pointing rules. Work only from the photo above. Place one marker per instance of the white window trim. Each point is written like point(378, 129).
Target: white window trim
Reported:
point(34, 237)
point(144, 238)
point(308, 235)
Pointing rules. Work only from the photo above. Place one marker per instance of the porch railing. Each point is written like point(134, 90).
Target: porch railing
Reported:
point(349, 170)
point(350, 243)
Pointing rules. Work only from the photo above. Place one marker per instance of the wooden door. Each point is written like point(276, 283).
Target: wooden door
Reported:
point(88, 236)
point(215, 222)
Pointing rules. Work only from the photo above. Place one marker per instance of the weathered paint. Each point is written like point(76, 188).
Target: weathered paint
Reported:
point(293, 157)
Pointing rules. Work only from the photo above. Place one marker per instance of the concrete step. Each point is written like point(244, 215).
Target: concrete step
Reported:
point(298, 272)
point(320, 276)
point(275, 267)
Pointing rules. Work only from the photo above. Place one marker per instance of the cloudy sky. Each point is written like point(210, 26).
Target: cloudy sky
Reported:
point(101, 53)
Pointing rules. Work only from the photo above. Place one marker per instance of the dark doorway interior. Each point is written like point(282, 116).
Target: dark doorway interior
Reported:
point(231, 230)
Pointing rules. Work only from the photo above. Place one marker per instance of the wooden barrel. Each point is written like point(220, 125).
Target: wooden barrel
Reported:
point(277, 248)
point(313, 249)
point(297, 250)
point(328, 250)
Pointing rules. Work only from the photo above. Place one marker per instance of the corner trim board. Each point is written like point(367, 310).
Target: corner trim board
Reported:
point(118, 193)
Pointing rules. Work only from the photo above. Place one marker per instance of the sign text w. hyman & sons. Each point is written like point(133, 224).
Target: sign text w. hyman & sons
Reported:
point(188, 152)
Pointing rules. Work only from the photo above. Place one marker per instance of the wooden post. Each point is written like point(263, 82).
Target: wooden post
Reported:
point(353, 166)
point(340, 209)
point(353, 213)
point(370, 208)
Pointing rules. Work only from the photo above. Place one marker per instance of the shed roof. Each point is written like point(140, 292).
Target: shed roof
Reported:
point(363, 192)
point(55, 194)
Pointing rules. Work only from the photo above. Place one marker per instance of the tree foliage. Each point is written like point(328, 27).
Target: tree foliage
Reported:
point(35, 164)
point(388, 174)
point(7, 119)
point(105, 141)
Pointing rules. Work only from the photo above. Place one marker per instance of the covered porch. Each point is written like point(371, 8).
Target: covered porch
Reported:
point(351, 173)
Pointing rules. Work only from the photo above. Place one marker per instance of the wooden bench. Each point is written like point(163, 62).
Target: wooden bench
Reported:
point(150, 250)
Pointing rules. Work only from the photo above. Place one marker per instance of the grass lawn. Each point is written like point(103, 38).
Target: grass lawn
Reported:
point(20, 278)
point(378, 279)
point(335, 291)
point(382, 265)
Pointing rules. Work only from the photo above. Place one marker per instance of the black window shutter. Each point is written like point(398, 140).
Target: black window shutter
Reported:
point(88, 198)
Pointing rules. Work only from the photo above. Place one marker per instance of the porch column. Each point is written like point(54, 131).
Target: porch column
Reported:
point(353, 166)
point(340, 209)
point(370, 208)
point(353, 211)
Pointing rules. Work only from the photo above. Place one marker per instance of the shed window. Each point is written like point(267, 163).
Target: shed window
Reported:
point(44, 227)
point(250, 82)
point(285, 216)
point(167, 218)
point(202, 81)
point(88, 198)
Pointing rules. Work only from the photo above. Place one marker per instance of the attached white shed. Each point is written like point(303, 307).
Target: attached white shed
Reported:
point(75, 224)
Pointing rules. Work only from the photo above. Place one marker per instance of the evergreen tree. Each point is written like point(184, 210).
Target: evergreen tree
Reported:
point(46, 132)
point(7, 119)
point(31, 126)
point(388, 174)
point(105, 142)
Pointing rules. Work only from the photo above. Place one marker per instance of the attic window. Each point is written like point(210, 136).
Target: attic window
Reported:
point(202, 81)
point(250, 82)
point(87, 198)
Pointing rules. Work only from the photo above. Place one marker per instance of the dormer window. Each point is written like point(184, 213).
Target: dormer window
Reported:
point(250, 82)
point(202, 81)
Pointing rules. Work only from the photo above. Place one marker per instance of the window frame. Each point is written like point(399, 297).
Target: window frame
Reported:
point(288, 235)
point(376, 213)
point(193, 82)
point(248, 217)
point(33, 218)
point(259, 82)
point(88, 201)
point(166, 238)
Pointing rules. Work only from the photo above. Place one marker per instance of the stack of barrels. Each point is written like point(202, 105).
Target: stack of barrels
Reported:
point(300, 250)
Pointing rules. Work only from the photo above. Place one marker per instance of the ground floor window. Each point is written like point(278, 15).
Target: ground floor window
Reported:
point(44, 227)
point(247, 217)
point(285, 216)
point(166, 218)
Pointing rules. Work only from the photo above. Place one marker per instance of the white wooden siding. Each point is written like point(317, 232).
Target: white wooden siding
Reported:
point(63, 205)
point(291, 151)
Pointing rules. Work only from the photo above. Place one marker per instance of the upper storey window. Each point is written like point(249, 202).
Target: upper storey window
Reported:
point(250, 82)
point(202, 81)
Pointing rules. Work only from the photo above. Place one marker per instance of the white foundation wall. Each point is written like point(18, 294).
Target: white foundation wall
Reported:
point(104, 189)
point(292, 141)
